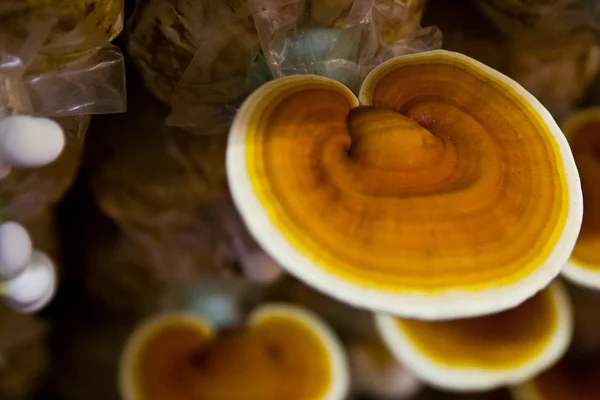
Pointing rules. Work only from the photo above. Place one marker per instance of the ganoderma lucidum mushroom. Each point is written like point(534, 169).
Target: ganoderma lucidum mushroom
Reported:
point(451, 192)
point(486, 352)
point(285, 352)
point(582, 130)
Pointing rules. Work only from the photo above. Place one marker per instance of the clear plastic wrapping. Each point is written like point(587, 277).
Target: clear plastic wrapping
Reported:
point(94, 85)
point(362, 36)
point(57, 61)
point(225, 67)
point(239, 45)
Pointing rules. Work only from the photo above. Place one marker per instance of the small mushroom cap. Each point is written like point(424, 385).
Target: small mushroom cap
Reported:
point(284, 353)
point(35, 287)
point(30, 141)
point(582, 129)
point(166, 338)
point(574, 377)
point(15, 249)
point(451, 192)
point(486, 352)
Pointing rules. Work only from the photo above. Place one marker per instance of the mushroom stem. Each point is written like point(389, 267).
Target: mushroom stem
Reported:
point(387, 139)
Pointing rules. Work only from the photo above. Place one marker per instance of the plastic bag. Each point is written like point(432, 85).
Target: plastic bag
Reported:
point(294, 40)
point(204, 58)
point(94, 85)
point(40, 49)
point(57, 60)
point(44, 48)
point(197, 56)
point(213, 42)
point(167, 223)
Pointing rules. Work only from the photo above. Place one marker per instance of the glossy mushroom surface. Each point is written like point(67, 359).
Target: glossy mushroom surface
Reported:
point(446, 191)
point(582, 130)
point(283, 353)
point(485, 352)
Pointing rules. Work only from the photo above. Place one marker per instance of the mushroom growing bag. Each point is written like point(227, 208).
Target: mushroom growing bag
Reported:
point(239, 45)
point(339, 39)
point(56, 62)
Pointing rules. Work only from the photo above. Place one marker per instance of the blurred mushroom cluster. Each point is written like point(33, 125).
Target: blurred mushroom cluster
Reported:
point(299, 199)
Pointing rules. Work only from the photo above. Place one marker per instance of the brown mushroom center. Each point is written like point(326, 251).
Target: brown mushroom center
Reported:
point(391, 154)
point(586, 151)
point(275, 359)
point(387, 139)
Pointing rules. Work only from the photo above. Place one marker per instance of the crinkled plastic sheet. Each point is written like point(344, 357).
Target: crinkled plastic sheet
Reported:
point(227, 66)
point(341, 39)
point(94, 85)
point(370, 32)
point(51, 71)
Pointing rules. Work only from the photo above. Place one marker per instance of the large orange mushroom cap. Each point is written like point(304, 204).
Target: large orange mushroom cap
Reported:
point(450, 192)
point(582, 129)
point(284, 353)
point(486, 352)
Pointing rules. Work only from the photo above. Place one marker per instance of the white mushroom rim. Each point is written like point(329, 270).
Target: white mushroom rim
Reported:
point(578, 271)
point(338, 363)
point(477, 379)
point(440, 305)
point(582, 274)
point(142, 333)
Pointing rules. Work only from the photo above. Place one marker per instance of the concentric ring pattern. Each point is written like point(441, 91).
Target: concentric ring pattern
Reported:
point(447, 178)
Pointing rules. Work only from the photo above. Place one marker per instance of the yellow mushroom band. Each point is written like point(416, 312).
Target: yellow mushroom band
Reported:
point(582, 129)
point(284, 353)
point(447, 191)
point(486, 352)
point(575, 377)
